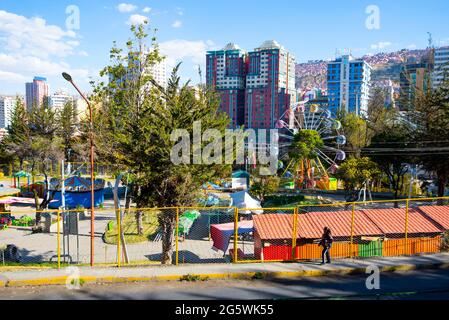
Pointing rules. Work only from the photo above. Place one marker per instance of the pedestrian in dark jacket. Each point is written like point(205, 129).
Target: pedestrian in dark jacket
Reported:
point(326, 242)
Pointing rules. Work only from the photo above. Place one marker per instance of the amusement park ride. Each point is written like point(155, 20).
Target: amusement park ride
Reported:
point(312, 173)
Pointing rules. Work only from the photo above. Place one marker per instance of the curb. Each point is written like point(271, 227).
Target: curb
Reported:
point(61, 280)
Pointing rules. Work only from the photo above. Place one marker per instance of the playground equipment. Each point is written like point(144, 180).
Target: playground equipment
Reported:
point(77, 193)
point(313, 173)
point(18, 175)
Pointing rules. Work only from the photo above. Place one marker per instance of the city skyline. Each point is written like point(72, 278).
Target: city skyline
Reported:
point(186, 34)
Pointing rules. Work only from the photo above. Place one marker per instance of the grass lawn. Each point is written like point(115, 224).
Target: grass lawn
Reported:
point(129, 225)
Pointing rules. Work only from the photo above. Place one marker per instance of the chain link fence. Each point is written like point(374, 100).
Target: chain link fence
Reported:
point(22, 245)
point(264, 235)
point(223, 235)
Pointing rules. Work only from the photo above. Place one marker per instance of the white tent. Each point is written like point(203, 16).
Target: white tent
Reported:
point(243, 200)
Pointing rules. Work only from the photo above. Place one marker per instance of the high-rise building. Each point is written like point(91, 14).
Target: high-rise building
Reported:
point(348, 85)
point(441, 71)
point(36, 92)
point(7, 105)
point(157, 71)
point(58, 99)
point(414, 78)
point(257, 87)
point(225, 71)
point(270, 85)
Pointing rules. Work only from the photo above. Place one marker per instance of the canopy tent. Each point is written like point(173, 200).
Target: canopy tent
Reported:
point(76, 184)
point(221, 233)
point(243, 200)
point(21, 174)
point(240, 180)
point(77, 193)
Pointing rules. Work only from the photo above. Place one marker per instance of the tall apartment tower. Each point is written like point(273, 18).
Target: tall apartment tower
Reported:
point(270, 85)
point(7, 105)
point(348, 85)
point(58, 100)
point(414, 78)
point(226, 72)
point(36, 92)
point(441, 71)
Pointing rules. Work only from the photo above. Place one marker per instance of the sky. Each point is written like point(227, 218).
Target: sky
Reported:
point(45, 37)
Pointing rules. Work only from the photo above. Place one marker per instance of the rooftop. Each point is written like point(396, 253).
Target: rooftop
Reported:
point(370, 222)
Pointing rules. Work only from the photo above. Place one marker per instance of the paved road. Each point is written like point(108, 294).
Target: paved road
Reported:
point(430, 284)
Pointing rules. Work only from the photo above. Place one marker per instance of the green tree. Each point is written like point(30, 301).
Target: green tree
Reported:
point(355, 172)
point(45, 149)
point(389, 150)
point(355, 130)
point(305, 145)
point(430, 119)
point(379, 115)
point(264, 186)
point(136, 132)
point(67, 128)
point(17, 142)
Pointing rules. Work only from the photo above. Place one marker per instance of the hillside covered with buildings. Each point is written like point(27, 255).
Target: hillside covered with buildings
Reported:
point(312, 74)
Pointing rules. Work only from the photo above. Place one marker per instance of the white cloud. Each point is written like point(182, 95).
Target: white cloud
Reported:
point(177, 24)
point(34, 36)
point(126, 7)
point(32, 47)
point(137, 19)
point(83, 53)
point(381, 45)
point(12, 77)
point(28, 67)
point(179, 11)
point(412, 46)
point(146, 9)
point(184, 50)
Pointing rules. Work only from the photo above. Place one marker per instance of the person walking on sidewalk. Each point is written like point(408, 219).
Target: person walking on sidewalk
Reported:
point(326, 243)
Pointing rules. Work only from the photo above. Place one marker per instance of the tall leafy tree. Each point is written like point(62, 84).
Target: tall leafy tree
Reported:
point(17, 142)
point(389, 149)
point(431, 133)
point(355, 130)
point(67, 128)
point(355, 172)
point(136, 132)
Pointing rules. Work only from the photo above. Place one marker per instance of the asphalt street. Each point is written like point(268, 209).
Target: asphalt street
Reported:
point(420, 285)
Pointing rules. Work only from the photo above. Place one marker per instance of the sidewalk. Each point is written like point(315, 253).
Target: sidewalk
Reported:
point(220, 271)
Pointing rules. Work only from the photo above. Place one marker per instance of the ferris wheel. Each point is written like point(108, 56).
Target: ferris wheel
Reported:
point(313, 173)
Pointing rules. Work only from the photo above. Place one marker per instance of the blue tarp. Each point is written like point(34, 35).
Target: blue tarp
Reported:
point(76, 199)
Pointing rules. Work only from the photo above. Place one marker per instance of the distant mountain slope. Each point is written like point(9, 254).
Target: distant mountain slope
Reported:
point(312, 74)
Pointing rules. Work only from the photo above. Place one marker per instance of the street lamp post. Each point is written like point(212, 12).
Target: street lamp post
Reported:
point(68, 77)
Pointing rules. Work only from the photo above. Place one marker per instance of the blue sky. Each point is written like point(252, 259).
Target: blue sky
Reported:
point(34, 39)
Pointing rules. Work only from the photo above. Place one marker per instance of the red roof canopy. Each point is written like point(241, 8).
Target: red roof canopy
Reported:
point(439, 214)
point(392, 221)
point(340, 223)
point(370, 222)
